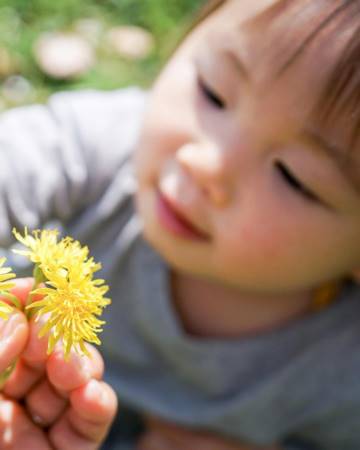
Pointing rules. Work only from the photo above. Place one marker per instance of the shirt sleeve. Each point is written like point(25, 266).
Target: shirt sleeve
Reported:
point(59, 157)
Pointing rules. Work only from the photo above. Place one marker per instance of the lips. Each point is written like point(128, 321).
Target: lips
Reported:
point(175, 222)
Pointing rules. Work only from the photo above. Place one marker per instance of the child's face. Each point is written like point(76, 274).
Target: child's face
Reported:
point(229, 163)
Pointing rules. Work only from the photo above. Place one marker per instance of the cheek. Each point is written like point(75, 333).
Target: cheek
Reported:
point(162, 135)
point(285, 247)
point(259, 241)
point(150, 152)
point(169, 119)
point(268, 241)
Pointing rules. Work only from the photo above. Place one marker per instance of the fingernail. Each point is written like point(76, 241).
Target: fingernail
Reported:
point(8, 327)
point(82, 365)
point(11, 324)
point(38, 420)
point(6, 411)
point(95, 389)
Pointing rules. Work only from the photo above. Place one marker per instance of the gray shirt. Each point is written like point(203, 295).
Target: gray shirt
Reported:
point(68, 164)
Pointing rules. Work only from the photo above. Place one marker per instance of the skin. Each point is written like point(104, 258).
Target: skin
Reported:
point(47, 403)
point(167, 436)
point(270, 246)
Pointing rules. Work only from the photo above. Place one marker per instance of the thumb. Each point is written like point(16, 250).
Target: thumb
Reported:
point(14, 330)
point(13, 337)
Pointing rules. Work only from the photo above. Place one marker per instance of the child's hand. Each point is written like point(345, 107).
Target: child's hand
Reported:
point(48, 403)
point(165, 436)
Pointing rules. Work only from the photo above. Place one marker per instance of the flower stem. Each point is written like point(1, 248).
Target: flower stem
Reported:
point(14, 300)
point(29, 312)
point(5, 374)
point(38, 278)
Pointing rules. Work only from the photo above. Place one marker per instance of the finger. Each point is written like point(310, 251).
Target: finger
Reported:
point(93, 408)
point(44, 404)
point(183, 437)
point(14, 330)
point(153, 440)
point(87, 421)
point(22, 379)
point(35, 353)
point(21, 290)
point(31, 365)
point(13, 337)
point(16, 429)
point(66, 376)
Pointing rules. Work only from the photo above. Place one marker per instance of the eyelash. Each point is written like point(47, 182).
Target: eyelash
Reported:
point(210, 95)
point(295, 184)
point(287, 176)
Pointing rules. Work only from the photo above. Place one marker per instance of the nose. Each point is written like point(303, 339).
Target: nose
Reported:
point(207, 166)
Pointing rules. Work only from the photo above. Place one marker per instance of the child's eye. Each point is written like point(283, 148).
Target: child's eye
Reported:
point(210, 95)
point(294, 183)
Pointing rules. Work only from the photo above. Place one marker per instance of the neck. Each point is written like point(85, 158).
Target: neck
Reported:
point(211, 310)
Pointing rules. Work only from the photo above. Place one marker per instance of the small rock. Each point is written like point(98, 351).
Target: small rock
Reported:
point(17, 89)
point(131, 42)
point(63, 55)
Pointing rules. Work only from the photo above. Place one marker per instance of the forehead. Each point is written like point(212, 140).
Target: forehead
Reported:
point(270, 38)
point(277, 33)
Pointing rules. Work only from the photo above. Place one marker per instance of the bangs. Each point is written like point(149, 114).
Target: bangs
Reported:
point(340, 100)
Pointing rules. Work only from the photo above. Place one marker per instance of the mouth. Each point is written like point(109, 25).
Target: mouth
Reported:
point(175, 222)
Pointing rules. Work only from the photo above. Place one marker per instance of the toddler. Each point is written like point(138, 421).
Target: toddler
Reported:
point(224, 206)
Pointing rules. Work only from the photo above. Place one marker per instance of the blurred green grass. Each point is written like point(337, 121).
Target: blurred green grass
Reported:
point(22, 21)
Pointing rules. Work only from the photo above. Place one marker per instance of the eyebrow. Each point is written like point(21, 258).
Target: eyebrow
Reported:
point(336, 154)
point(332, 151)
point(238, 63)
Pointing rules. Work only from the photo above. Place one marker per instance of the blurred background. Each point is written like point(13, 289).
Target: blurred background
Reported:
point(52, 45)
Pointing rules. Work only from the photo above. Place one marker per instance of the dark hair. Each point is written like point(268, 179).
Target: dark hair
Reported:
point(340, 97)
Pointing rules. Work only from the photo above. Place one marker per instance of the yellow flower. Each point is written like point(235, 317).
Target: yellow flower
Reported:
point(42, 246)
point(72, 299)
point(5, 286)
